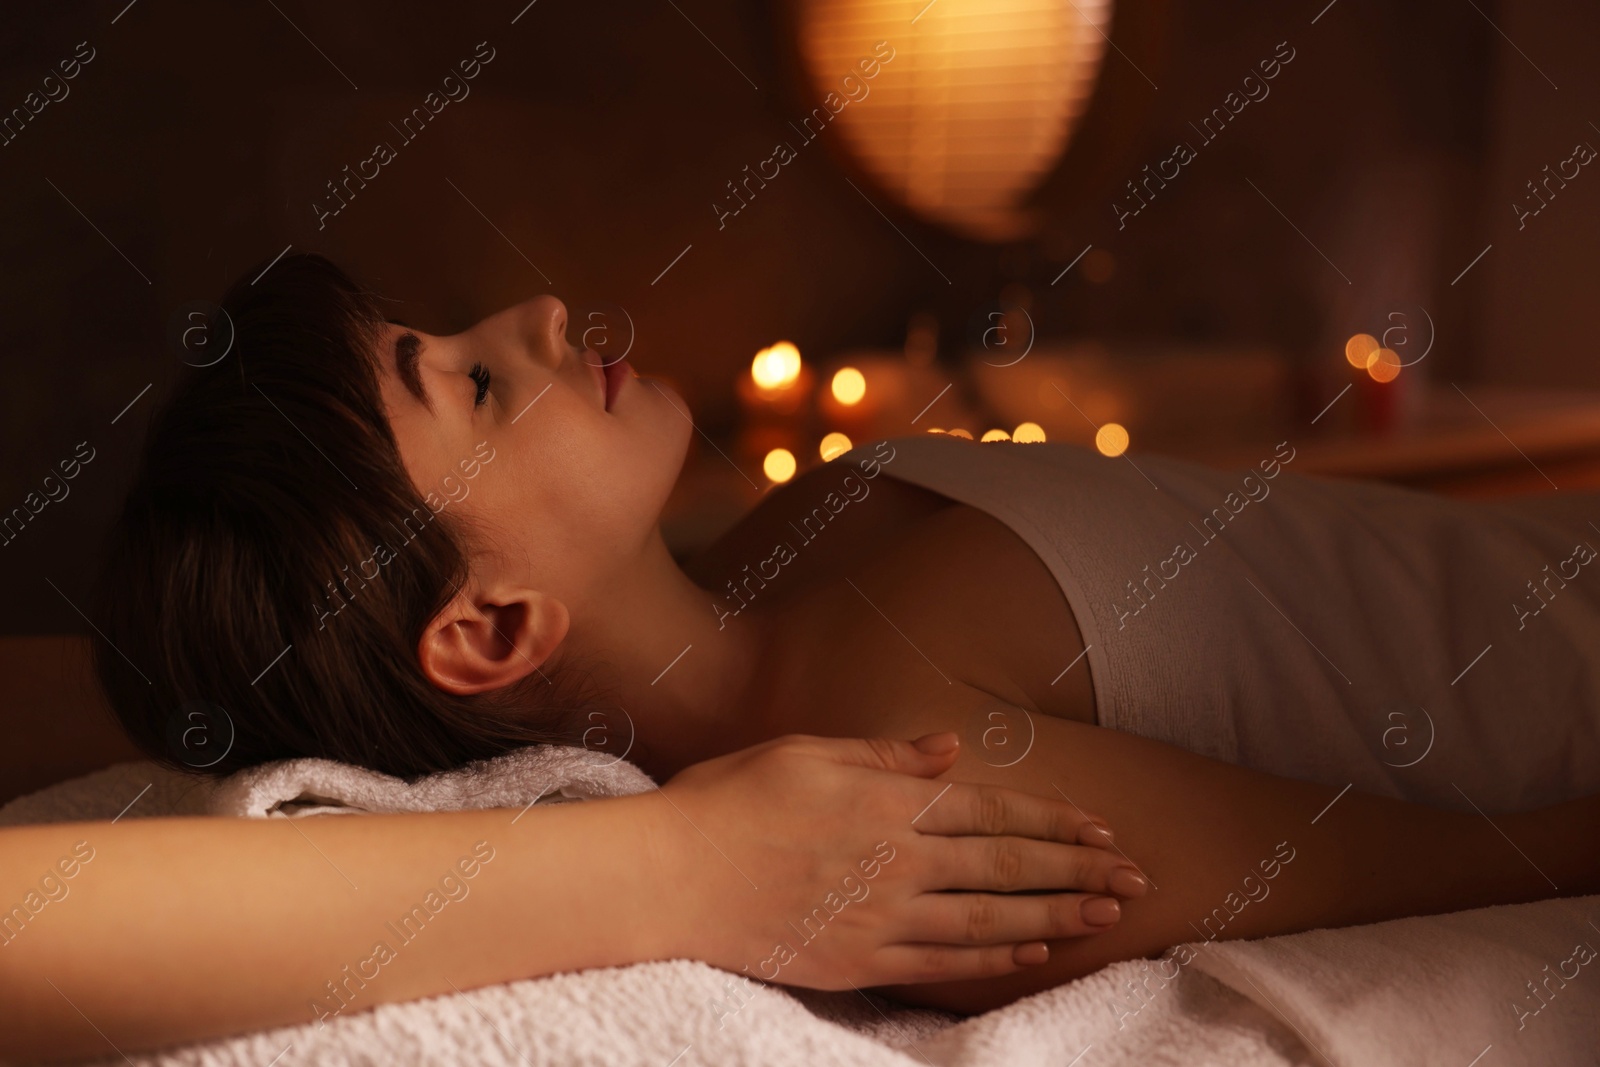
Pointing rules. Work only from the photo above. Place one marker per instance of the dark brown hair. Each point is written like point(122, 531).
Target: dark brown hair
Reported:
point(269, 484)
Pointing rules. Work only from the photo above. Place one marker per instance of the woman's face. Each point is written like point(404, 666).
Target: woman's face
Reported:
point(570, 462)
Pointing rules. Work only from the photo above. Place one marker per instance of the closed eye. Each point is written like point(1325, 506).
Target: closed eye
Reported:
point(480, 374)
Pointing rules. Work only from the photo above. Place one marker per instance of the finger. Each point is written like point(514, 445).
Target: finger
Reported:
point(1100, 821)
point(989, 810)
point(915, 963)
point(991, 918)
point(1011, 864)
point(927, 756)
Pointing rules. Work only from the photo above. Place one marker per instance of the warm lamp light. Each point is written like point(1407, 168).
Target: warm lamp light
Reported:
point(995, 435)
point(1029, 433)
point(779, 465)
point(972, 107)
point(849, 386)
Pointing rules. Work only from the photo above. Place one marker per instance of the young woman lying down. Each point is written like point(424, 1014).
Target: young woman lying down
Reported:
point(1297, 702)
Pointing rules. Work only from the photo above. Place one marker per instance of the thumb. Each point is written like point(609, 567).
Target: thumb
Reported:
point(925, 757)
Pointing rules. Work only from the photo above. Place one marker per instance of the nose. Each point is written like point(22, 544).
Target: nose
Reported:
point(537, 326)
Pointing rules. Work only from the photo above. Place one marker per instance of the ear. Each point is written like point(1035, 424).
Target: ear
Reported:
point(479, 644)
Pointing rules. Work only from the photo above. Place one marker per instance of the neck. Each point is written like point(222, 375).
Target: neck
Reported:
point(688, 681)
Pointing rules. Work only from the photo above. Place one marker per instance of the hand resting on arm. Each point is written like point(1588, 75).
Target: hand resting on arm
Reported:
point(177, 930)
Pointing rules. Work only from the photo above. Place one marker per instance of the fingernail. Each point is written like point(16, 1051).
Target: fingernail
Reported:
point(1127, 882)
point(937, 744)
point(1100, 911)
point(1031, 954)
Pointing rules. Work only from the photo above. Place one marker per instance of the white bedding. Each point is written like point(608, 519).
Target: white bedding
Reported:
point(1450, 990)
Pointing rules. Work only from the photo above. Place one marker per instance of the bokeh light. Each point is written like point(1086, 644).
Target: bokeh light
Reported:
point(1360, 349)
point(1111, 439)
point(1384, 365)
point(1029, 433)
point(779, 466)
point(958, 432)
point(849, 386)
point(776, 366)
point(835, 444)
point(995, 435)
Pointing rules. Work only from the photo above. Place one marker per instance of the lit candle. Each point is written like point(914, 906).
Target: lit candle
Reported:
point(776, 368)
point(779, 381)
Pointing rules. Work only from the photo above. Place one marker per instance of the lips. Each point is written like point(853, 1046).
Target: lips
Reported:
point(616, 374)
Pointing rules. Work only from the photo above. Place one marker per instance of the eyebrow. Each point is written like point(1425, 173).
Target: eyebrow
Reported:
point(407, 354)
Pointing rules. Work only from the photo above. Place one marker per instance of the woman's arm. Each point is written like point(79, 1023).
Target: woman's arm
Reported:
point(151, 932)
point(1235, 853)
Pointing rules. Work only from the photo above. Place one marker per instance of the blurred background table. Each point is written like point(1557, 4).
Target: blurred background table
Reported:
point(1503, 441)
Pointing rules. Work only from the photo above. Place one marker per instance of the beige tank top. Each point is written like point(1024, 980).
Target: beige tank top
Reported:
point(1347, 633)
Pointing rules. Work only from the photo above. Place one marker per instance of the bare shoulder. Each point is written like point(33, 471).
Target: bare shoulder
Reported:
point(962, 591)
point(807, 533)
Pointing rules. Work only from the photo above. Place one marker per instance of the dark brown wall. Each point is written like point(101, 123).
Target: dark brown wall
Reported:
point(1539, 281)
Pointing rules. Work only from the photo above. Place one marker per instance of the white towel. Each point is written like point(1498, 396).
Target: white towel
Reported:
point(1312, 628)
point(1426, 990)
point(536, 774)
point(1442, 989)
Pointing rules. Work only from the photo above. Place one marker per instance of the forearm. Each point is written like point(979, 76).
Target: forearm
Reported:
point(1563, 840)
point(155, 932)
point(163, 931)
point(1233, 853)
point(1408, 859)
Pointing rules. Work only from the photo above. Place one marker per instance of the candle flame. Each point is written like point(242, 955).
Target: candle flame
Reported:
point(776, 366)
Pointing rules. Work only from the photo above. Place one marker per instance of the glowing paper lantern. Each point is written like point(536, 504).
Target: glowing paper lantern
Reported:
point(972, 107)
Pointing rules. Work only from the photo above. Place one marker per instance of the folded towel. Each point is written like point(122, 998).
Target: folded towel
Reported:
point(535, 774)
point(1520, 979)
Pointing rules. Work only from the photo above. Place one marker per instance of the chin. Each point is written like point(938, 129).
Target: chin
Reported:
point(674, 456)
point(658, 430)
point(670, 426)
point(645, 473)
